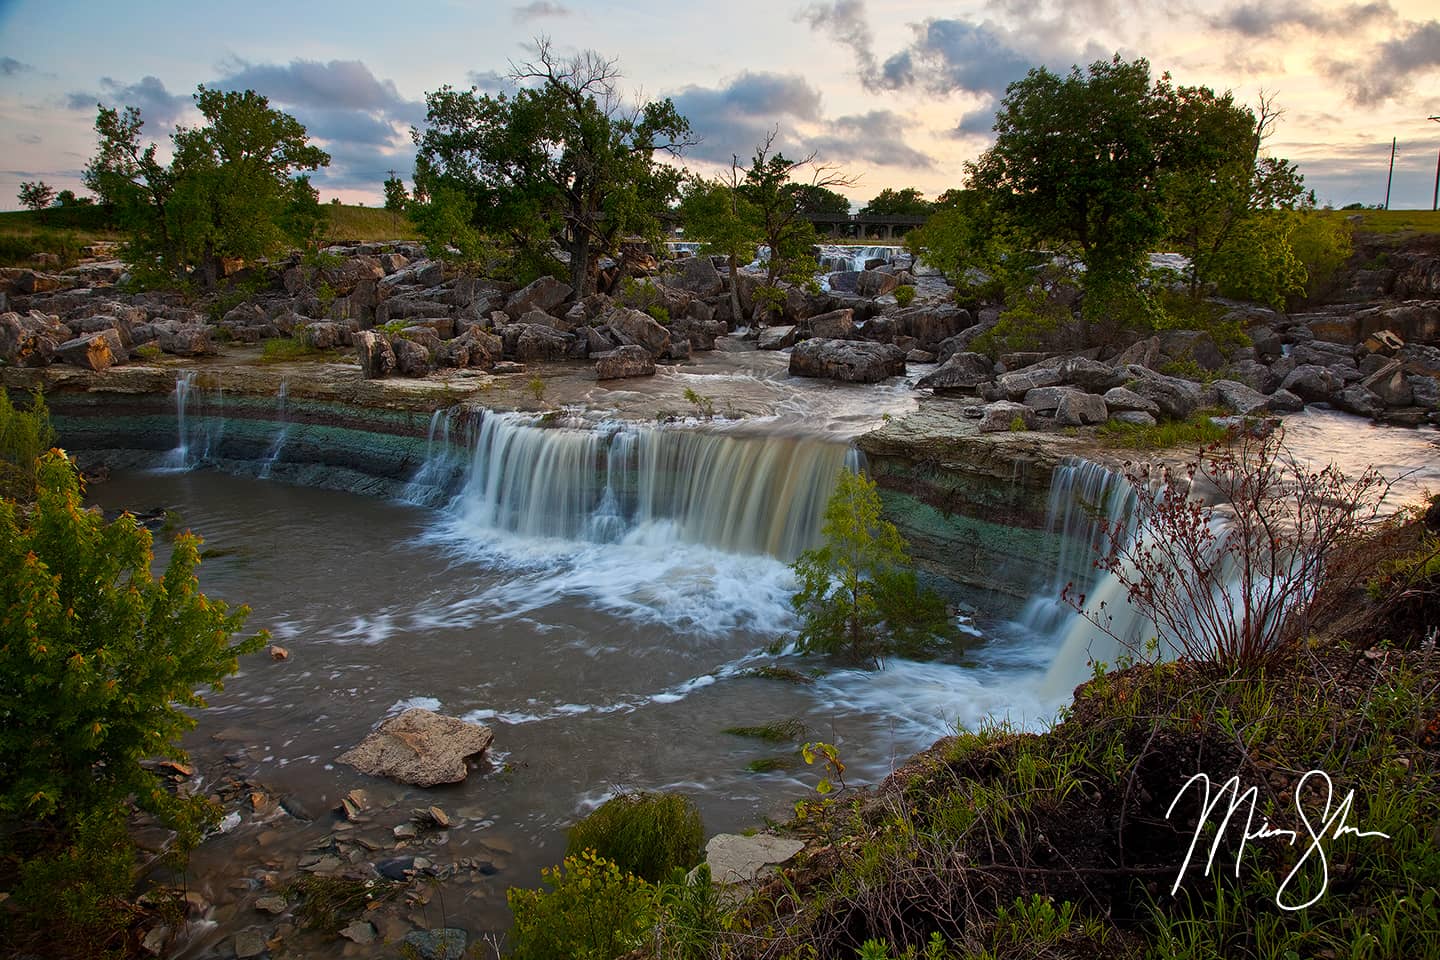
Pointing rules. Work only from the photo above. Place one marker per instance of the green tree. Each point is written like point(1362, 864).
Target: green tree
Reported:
point(771, 187)
point(821, 202)
point(232, 189)
point(719, 215)
point(560, 160)
point(396, 196)
point(1215, 179)
point(36, 196)
point(858, 595)
point(67, 198)
point(445, 220)
point(1077, 161)
point(909, 202)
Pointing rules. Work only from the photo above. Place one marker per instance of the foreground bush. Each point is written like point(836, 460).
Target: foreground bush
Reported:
point(647, 834)
point(592, 911)
point(98, 660)
point(24, 435)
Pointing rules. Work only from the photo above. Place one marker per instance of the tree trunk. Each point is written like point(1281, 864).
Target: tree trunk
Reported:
point(580, 263)
point(735, 316)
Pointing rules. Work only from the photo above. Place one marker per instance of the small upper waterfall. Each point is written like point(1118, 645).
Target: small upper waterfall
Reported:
point(198, 431)
point(277, 447)
point(847, 256)
point(611, 482)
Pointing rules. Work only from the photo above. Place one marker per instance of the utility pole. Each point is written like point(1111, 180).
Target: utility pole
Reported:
point(1391, 175)
point(1435, 197)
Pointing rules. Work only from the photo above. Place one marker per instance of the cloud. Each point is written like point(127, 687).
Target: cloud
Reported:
point(1264, 20)
point(732, 119)
point(338, 83)
point(539, 8)
point(878, 137)
point(156, 104)
point(1388, 71)
point(30, 138)
point(845, 21)
point(489, 81)
point(9, 67)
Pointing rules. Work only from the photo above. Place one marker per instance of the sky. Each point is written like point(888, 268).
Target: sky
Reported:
point(898, 94)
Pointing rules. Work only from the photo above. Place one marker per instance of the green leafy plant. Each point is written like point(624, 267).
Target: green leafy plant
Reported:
point(704, 406)
point(24, 436)
point(536, 386)
point(829, 757)
point(858, 595)
point(591, 911)
point(647, 834)
point(904, 294)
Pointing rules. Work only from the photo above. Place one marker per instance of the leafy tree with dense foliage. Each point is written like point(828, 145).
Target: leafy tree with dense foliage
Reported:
point(24, 435)
point(719, 215)
point(99, 663)
point(858, 595)
point(816, 201)
point(909, 202)
point(233, 190)
point(36, 196)
point(1216, 181)
point(396, 196)
point(562, 159)
point(1077, 161)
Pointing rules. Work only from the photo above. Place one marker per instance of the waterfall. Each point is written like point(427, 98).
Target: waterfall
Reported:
point(1088, 502)
point(625, 482)
point(447, 459)
point(835, 257)
point(278, 445)
point(197, 435)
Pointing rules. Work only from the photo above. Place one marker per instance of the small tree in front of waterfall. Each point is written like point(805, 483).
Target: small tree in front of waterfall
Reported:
point(858, 595)
point(1228, 554)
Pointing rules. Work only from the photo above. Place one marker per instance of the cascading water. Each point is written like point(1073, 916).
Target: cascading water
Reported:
point(196, 434)
point(835, 257)
point(447, 460)
point(278, 445)
point(733, 493)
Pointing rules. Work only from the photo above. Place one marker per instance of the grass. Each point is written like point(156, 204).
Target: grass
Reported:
point(1393, 221)
point(783, 674)
point(366, 224)
point(1199, 430)
point(647, 834)
point(328, 903)
point(772, 764)
point(777, 731)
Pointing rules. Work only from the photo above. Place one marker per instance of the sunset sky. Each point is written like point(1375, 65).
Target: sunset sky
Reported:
point(901, 93)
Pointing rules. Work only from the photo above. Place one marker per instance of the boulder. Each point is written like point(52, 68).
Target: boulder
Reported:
point(420, 748)
point(473, 348)
point(540, 342)
point(776, 338)
point(323, 334)
point(627, 361)
point(1313, 383)
point(735, 858)
point(1015, 385)
point(1323, 354)
point(93, 351)
point(1237, 397)
point(835, 325)
point(1192, 345)
point(1358, 400)
point(916, 355)
point(1255, 375)
point(1136, 418)
point(412, 359)
point(1393, 390)
point(1283, 401)
point(393, 262)
point(874, 283)
point(679, 349)
point(1175, 397)
point(546, 294)
point(1079, 409)
point(930, 325)
point(697, 275)
point(544, 319)
point(377, 357)
point(849, 360)
point(1001, 416)
point(639, 328)
point(1265, 340)
point(1145, 353)
point(1089, 375)
point(1122, 400)
point(187, 341)
point(1046, 399)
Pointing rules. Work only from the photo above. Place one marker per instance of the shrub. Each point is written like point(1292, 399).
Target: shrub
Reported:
point(592, 911)
point(857, 594)
point(904, 294)
point(24, 435)
point(1225, 558)
point(280, 349)
point(1030, 321)
point(647, 834)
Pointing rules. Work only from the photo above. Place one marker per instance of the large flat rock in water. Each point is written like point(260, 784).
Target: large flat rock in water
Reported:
point(419, 747)
point(734, 858)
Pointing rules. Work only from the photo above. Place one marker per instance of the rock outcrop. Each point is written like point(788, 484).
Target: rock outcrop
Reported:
point(419, 747)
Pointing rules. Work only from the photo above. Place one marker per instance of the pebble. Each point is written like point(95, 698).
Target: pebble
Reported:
point(406, 831)
point(437, 944)
point(249, 943)
point(359, 931)
point(271, 904)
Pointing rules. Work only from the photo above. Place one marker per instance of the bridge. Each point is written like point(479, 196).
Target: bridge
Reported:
point(841, 226)
point(860, 227)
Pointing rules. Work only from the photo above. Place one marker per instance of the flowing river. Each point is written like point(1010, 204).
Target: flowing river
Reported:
point(598, 595)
